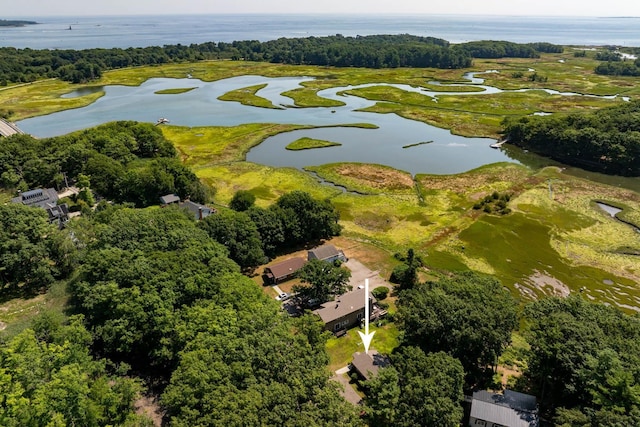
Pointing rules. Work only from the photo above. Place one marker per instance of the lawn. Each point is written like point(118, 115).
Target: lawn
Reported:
point(341, 349)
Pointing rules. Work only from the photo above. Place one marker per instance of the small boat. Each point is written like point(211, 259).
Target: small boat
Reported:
point(161, 121)
point(69, 27)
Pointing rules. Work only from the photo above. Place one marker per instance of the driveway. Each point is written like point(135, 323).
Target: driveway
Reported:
point(359, 273)
point(348, 392)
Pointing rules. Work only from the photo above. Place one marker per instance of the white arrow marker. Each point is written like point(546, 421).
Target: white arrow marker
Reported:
point(366, 337)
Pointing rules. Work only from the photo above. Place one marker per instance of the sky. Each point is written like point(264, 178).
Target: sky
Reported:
point(37, 8)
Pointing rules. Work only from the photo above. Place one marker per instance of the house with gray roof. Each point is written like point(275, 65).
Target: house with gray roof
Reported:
point(367, 365)
point(327, 253)
point(40, 197)
point(169, 199)
point(345, 312)
point(509, 409)
point(197, 210)
point(282, 271)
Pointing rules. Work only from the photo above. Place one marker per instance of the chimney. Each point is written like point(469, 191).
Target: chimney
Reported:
point(200, 213)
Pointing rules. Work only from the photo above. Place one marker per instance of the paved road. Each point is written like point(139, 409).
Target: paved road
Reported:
point(7, 129)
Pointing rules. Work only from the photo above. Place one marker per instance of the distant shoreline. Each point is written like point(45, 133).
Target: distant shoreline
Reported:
point(15, 23)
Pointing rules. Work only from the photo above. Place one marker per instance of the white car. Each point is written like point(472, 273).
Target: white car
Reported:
point(283, 296)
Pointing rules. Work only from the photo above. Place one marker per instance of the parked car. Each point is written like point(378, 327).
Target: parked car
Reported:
point(283, 296)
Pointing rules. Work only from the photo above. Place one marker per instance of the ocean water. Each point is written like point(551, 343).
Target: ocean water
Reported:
point(157, 30)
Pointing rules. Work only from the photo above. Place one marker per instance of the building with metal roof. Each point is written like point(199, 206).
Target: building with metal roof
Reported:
point(509, 409)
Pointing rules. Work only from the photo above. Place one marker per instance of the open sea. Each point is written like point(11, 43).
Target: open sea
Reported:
point(158, 30)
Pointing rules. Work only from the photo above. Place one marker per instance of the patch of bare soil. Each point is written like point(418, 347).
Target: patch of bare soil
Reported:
point(376, 176)
point(149, 406)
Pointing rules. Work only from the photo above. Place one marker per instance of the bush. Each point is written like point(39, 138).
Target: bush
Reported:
point(380, 292)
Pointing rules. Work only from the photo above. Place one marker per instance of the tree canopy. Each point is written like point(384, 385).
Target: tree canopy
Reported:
point(325, 280)
point(468, 316)
point(48, 378)
point(125, 162)
point(584, 361)
point(417, 389)
point(33, 253)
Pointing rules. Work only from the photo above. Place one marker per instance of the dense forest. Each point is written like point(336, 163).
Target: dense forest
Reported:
point(606, 140)
point(379, 51)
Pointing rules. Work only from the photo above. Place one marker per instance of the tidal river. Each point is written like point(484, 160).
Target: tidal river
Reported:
point(395, 142)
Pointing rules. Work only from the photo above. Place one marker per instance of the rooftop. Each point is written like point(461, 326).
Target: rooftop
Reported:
point(199, 211)
point(325, 251)
point(368, 365)
point(510, 409)
point(286, 267)
point(345, 304)
point(41, 197)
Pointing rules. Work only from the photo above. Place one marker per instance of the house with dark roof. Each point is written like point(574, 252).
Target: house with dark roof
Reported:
point(327, 253)
point(47, 199)
point(169, 199)
point(366, 366)
point(345, 312)
point(59, 214)
point(198, 211)
point(509, 409)
point(282, 271)
point(39, 197)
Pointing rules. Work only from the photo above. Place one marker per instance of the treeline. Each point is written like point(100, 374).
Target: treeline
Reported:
point(503, 49)
point(125, 162)
point(606, 140)
point(377, 51)
point(15, 23)
point(380, 51)
point(614, 64)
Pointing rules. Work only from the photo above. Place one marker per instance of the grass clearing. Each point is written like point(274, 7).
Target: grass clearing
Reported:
point(17, 314)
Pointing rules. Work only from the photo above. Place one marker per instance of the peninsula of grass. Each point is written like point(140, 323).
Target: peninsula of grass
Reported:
point(247, 96)
point(306, 97)
point(310, 143)
point(174, 91)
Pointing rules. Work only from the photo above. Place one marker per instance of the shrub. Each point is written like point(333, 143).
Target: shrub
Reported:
point(380, 292)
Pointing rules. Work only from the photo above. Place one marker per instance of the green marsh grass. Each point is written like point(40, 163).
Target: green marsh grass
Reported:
point(310, 143)
point(247, 96)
